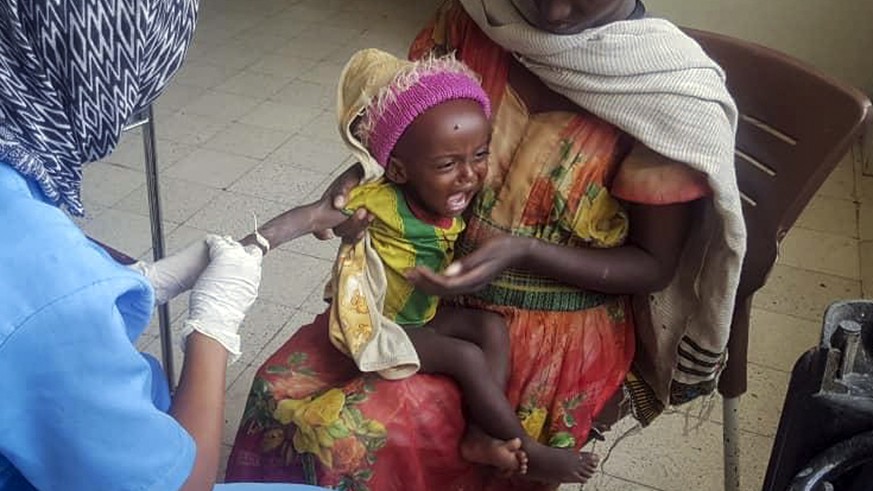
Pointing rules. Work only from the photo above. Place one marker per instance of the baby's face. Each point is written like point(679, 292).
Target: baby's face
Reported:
point(442, 158)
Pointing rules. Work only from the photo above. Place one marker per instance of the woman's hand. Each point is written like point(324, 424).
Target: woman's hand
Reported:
point(223, 294)
point(175, 274)
point(474, 271)
point(350, 229)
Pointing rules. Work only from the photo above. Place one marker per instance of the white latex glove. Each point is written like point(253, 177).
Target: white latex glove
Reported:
point(224, 292)
point(177, 273)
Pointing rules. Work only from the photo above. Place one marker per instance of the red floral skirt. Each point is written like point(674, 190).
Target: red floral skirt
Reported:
point(311, 417)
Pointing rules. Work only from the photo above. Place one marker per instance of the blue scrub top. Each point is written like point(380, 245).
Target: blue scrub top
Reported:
point(82, 408)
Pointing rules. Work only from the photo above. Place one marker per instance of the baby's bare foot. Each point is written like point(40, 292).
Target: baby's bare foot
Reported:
point(504, 455)
point(560, 465)
point(521, 457)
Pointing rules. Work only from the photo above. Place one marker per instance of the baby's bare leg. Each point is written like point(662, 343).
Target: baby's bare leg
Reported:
point(484, 399)
point(467, 344)
point(487, 330)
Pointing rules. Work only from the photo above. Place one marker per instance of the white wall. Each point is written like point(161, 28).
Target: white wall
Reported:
point(834, 35)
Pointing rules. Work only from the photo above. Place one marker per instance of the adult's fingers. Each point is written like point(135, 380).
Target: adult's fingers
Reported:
point(341, 186)
point(324, 234)
point(352, 230)
point(433, 283)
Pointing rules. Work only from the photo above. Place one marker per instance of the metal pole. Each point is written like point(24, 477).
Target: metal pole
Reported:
point(731, 415)
point(152, 186)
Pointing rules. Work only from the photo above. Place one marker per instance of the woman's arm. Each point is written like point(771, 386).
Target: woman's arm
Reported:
point(219, 301)
point(198, 406)
point(645, 264)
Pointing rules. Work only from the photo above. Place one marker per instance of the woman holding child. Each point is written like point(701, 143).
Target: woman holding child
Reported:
point(610, 177)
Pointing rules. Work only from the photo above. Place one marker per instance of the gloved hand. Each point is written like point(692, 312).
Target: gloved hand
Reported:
point(177, 273)
point(224, 292)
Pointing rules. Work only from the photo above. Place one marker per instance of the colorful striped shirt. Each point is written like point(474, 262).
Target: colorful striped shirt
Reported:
point(404, 241)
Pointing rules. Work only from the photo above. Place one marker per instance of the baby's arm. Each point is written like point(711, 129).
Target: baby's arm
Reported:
point(302, 220)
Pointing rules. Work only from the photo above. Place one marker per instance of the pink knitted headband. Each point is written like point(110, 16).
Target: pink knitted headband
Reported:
point(390, 115)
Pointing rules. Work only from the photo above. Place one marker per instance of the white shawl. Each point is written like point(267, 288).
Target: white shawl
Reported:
point(657, 84)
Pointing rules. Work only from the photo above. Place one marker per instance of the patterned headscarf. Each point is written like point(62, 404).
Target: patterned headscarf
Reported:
point(73, 73)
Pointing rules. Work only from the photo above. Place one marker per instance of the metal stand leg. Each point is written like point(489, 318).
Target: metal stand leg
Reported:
point(731, 408)
point(153, 185)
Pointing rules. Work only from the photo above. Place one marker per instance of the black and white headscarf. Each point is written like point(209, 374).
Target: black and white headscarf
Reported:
point(73, 73)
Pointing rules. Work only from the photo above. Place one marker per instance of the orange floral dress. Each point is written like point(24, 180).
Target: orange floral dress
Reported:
point(312, 417)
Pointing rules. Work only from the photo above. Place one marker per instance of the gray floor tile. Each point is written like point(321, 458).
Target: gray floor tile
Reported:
point(204, 75)
point(92, 211)
point(130, 152)
point(325, 72)
point(831, 215)
point(322, 155)
point(307, 48)
point(325, 127)
point(230, 213)
point(188, 128)
point(232, 56)
point(128, 232)
point(253, 84)
point(106, 184)
point(606, 482)
point(180, 199)
point(289, 278)
point(677, 453)
point(308, 94)
point(803, 293)
point(307, 14)
point(262, 324)
point(283, 65)
point(821, 252)
point(176, 96)
point(221, 105)
point(778, 340)
point(338, 35)
point(315, 303)
point(761, 406)
point(280, 116)
point(308, 245)
point(280, 182)
point(247, 140)
point(211, 168)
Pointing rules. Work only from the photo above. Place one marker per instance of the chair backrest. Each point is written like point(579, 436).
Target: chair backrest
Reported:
point(795, 125)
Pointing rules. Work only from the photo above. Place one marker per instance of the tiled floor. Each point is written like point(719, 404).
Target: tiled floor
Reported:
point(247, 126)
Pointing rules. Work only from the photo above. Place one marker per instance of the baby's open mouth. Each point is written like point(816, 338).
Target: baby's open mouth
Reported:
point(458, 202)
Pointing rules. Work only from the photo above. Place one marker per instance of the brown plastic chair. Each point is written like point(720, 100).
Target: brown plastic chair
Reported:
point(795, 125)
